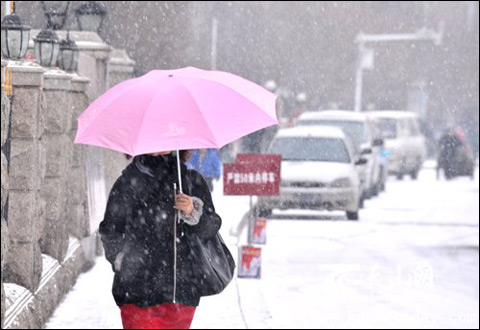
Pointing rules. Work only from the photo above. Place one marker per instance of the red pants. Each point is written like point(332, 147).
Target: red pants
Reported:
point(163, 316)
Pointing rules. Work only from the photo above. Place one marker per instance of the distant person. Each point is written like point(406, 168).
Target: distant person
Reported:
point(475, 144)
point(450, 142)
point(207, 163)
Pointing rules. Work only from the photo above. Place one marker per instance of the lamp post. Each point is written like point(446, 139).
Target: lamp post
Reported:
point(213, 55)
point(15, 36)
point(56, 13)
point(90, 16)
point(47, 47)
point(365, 61)
point(68, 57)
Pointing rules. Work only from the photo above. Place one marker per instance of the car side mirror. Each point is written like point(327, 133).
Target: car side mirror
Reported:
point(366, 151)
point(378, 143)
point(361, 161)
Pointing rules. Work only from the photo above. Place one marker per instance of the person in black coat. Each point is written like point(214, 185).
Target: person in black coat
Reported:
point(448, 146)
point(150, 256)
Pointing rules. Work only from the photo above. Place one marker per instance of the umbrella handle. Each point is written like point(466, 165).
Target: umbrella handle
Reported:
point(179, 170)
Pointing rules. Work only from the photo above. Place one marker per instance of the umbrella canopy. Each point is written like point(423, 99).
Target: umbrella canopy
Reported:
point(179, 109)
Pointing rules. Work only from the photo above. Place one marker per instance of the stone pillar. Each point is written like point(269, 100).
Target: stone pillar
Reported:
point(77, 205)
point(5, 118)
point(58, 153)
point(25, 207)
point(92, 64)
point(120, 68)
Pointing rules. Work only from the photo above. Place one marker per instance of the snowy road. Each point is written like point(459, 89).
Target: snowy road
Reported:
point(411, 261)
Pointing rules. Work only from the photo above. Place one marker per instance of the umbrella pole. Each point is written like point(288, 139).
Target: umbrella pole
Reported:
point(179, 170)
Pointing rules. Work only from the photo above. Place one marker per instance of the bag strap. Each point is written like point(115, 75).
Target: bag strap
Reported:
point(188, 182)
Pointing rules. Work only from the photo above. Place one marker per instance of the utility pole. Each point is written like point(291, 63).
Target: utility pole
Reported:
point(213, 54)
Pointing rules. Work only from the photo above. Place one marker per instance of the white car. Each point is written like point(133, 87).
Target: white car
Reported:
point(318, 171)
point(362, 131)
point(404, 141)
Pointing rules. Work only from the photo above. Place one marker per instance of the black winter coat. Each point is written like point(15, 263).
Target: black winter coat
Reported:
point(139, 221)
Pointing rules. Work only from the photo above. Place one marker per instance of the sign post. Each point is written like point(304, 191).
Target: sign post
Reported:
point(253, 175)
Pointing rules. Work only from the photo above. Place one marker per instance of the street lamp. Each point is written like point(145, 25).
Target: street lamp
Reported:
point(366, 55)
point(68, 58)
point(364, 62)
point(301, 98)
point(56, 13)
point(90, 16)
point(271, 85)
point(15, 37)
point(47, 47)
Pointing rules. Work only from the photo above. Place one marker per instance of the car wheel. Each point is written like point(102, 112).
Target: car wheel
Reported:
point(414, 174)
point(352, 215)
point(265, 213)
point(382, 181)
point(383, 186)
point(448, 174)
point(400, 176)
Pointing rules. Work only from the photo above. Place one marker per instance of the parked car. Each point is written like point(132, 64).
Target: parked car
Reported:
point(382, 155)
point(404, 141)
point(362, 131)
point(318, 171)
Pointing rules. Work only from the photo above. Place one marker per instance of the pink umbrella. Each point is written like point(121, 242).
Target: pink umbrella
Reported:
point(179, 109)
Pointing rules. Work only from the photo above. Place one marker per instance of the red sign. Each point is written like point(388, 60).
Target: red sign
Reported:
point(252, 178)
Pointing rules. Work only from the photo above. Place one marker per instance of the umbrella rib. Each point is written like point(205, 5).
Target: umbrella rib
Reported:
point(201, 113)
point(142, 123)
point(113, 99)
point(214, 81)
point(239, 94)
point(243, 97)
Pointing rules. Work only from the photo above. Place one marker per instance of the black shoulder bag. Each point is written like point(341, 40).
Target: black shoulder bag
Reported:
point(214, 265)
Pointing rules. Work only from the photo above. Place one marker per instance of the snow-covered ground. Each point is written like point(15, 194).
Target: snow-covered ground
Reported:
point(412, 261)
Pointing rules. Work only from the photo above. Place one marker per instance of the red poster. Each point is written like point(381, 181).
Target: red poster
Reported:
point(250, 262)
point(259, 235)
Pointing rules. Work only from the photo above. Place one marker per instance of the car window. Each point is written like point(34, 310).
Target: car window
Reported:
point(414, 128)
point(375, 129)
point(355, 129)
point(406, 128)
point(311, 149)
point(388, 128)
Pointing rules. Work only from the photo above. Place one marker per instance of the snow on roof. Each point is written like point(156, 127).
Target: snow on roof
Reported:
point(333, 114)
point(312, 131)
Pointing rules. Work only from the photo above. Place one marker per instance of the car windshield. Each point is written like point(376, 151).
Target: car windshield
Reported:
point(388, 128)
point(354, 129)
point(311, 149)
